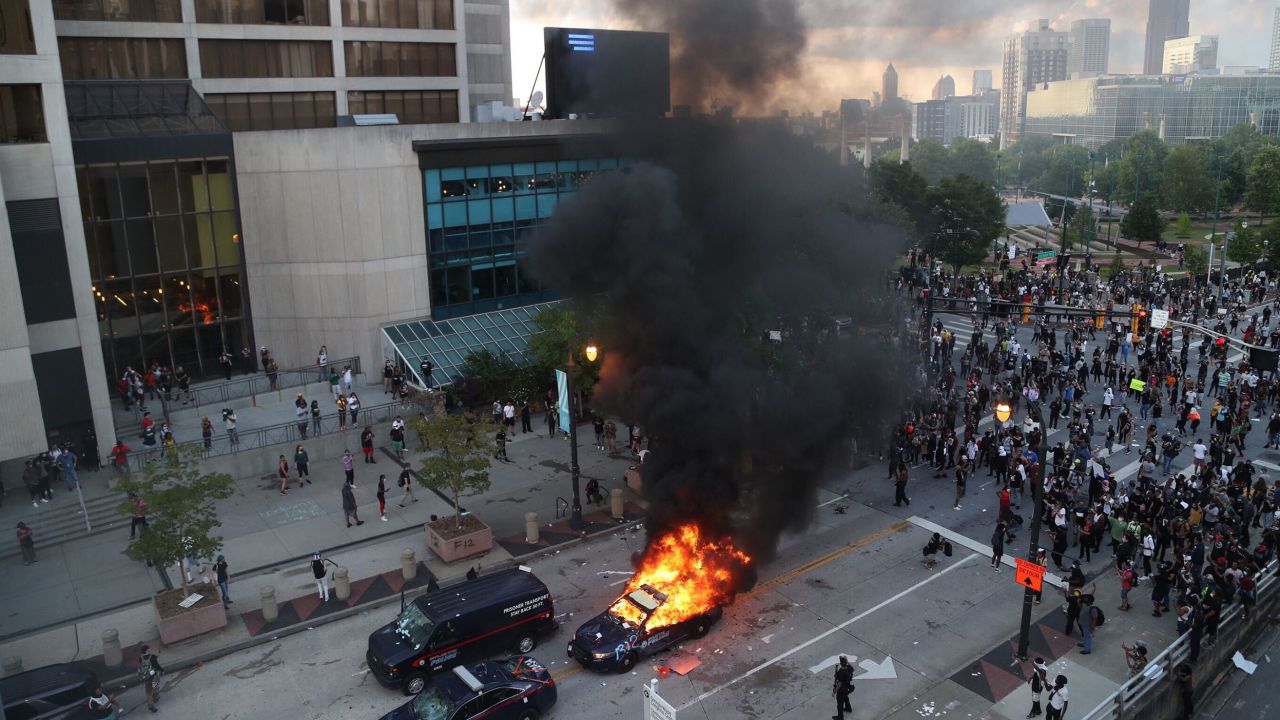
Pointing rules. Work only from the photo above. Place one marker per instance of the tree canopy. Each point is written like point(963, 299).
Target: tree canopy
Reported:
point(1262, 183)
point(458, 461)
point(966, 216)
point(1143, 223)
point(1188, 185)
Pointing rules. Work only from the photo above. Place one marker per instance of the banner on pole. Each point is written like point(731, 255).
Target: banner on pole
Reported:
point(562, 399)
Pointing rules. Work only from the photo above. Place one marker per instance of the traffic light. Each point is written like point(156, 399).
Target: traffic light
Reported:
point(1220, 347)
point(1138, 322)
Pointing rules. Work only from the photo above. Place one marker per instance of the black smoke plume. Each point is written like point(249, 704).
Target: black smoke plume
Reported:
point(716, 237)
point(724, 52)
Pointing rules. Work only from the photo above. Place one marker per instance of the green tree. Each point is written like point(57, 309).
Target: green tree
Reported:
point(966, 216)
point(1064, 171)
point(1271, 244)
point(973, 158)
point(1196, 260)
point(1142, 166)
point(459, 458)
point(1143, 222)
point(560, 327)
point(1188, 184)
point(1080, 226)
point(181, 509)
point(1262, 184)
point(931, 160)
point(1184, 227)
point(493, 373)
point(1235, 151)
point(1246, 247)
point(900, 185)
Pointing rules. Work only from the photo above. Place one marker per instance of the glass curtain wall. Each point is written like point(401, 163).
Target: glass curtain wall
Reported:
point(480, 221)
point(165, 259)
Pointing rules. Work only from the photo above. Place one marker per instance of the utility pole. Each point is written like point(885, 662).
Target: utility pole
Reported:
point(1037, 493)
point(1213, 234)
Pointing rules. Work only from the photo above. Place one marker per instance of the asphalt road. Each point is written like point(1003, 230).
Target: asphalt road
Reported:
point(851, 584)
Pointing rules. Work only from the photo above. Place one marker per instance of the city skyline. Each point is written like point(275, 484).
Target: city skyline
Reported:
point(851, 41)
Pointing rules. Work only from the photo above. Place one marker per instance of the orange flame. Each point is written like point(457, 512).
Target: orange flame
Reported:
point(696, 574)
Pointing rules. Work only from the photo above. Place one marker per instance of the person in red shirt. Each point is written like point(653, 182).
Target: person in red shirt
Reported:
point(120, 458)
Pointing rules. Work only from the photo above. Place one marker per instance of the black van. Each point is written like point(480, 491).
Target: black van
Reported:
point(508, 611)
point(53, 692)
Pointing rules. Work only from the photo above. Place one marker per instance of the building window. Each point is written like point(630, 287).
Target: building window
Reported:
point(263, 12)
point(415, 14)
point(164, 258)
point(90, 58)
point(265, 58)
point(274, 111)
point(412, 107)
point(16, 37)
point(21, 114)
point(396, 59)
point(132, 10)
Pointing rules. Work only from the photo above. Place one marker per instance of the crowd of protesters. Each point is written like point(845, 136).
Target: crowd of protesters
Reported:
point(1190, 519)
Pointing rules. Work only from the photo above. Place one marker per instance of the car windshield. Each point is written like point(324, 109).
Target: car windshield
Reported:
point(414, 626)
point(431, 704)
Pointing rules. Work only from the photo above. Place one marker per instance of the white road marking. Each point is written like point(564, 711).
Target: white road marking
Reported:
point(834, 500)
point(824, 635)
point(831, 661)
point(878, 670)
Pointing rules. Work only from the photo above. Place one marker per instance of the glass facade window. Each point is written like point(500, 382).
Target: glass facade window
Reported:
point(132, 10)
point(265, 58)
point(16, 37)
point(90, 58)
point(21, 114)
point(416, 14)
point(165, 259)
point(412, 107)
point(396, 59)
point(263, 12)
point(480, 220)
point(274, 111)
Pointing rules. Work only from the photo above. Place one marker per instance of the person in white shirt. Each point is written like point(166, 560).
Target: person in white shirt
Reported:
point(1057, 707)
point(1198, 452)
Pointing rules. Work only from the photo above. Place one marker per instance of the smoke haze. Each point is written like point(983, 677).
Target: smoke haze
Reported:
point(719, 236)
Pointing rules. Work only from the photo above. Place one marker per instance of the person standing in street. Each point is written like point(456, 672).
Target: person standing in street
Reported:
point(1058, 699)
point(1087, 623)
point(406, 482)
point(31, 478)
point(67, 461)
point(149, 672)
point(382, 497)
point(120, 458)
point(315, 418)
point(366, 442)
point(303, 463)
point(282, 469)
point(900, 487)
point(319, 572)
point(349, 467)
point(139, 515)
point(526, 424)
point(843, 688)
point(349, 503)
point(26, 544)
point(353, 404)
point(1038, 680)
point(341, 402)
point(223, 577)
point(229, 422)
point(997, 546)
point(552, 419)
point(301, 414)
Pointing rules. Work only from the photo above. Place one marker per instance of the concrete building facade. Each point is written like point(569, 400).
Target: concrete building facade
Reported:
point(1090, 47)
point(1031, 58)
point(1191, 54)
point(1273, 63)
point(981, 82)
point(1166, 20)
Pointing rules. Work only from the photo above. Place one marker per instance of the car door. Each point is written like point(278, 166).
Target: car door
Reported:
point(493, 705)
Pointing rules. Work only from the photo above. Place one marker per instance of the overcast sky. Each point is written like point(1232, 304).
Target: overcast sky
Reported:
point(851, 41)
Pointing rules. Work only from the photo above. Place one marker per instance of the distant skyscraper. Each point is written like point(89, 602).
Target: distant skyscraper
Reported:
point(944, 88)
point(889, 86)
point(981, 81)
point(1274, 65)
point(1090, 47)
point(1166, 20)
point(1190, 54)
point(1030, 58)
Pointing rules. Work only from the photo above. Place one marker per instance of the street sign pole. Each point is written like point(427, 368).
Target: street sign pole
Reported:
point(655, 708)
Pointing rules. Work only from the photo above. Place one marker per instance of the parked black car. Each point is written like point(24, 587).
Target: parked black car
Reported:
point(610, 643)
point(518, 688)
point(53, 692)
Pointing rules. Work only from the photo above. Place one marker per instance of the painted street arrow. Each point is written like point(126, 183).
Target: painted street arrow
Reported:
point(831, 661)
point(878, 671)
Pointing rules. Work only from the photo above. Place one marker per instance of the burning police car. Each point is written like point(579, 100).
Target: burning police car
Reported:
point(628, 631)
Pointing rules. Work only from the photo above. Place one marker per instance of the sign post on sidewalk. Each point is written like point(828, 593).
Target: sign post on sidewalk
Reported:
point(1029, 574)
point(655, 708)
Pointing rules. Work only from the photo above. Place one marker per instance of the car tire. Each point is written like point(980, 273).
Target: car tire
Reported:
point(414, 683)
point(526, 644)
point(529, 715)
point(701, 628)
point(626, 662)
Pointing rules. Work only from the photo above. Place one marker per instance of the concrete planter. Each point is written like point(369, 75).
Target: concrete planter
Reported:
point(177, 624)
point(448, 542)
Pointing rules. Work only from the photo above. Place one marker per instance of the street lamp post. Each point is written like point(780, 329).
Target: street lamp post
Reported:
point(1217, 194)
point(1037, 493)
point(575, 510)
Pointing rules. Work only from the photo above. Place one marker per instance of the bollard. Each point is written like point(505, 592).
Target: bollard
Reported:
point(341, 583)
point(12, 665)
point(270, 610)
point(531, 534)
point(616, 504)
point(112, 655)
point(408, 564)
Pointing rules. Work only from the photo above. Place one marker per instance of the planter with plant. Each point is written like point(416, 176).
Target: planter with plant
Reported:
point(457, 463)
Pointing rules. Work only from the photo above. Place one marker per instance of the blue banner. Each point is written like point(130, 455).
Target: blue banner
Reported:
point(562, 399)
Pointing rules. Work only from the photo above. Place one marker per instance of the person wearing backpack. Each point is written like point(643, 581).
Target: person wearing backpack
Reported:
point(149, 672)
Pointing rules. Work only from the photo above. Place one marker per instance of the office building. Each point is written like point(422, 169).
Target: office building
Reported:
point(944, 88)
point(1195, 53)
point(981, 82)
point(1093, 111)
point(1090, 47)
point(889, 85)
point(965, 116)
point(1274, 64)
point(1031, 58)
point(129, 235)
point(1166, 20)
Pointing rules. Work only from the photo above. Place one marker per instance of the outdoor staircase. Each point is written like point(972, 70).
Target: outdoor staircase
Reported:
point(61, 520)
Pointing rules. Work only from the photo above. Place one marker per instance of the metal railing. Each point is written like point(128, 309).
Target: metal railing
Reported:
point(1154, 693)
point(257, 383)
point(224, 443)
